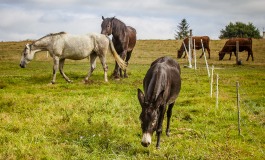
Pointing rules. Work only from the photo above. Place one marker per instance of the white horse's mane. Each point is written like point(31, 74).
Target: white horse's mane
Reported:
point(52, 34)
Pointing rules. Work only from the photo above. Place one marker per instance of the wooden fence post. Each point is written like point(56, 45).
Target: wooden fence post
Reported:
point(190, 49)
point(238, 62)
point(238, 108)
point(207, 67)
point(211, 91)
point(194, 53)
point(186, 52)
point(217, 92)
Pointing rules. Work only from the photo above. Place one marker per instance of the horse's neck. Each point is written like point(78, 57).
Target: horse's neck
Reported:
point(118, 30)
point(41, 45)
point(182, 48)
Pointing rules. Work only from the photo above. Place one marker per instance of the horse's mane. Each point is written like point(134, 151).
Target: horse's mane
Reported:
point(119, 25)
point(119, 21)
point(55, 34)
point(51, 34)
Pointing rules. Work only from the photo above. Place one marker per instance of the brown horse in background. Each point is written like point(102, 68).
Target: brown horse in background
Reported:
point(124, 40)
point(198, 45)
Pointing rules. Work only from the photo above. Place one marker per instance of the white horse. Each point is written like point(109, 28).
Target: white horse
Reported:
point(63, 46)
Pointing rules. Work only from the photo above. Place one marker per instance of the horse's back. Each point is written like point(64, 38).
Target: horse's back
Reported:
point(81, 46)
point(163, 75)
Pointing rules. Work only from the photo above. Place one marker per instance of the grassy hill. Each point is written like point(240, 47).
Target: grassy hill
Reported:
point(100, 120)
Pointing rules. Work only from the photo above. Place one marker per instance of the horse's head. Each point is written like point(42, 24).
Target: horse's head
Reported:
point(148, 117)
point(106, 26)
point(26, 56)
point(180, 52)
point(221, 55)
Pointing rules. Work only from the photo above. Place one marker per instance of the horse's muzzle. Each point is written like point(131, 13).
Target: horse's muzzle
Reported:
point(22, 66)
point(146, 140)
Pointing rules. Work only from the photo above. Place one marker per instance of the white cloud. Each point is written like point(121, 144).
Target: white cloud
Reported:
point(153, 19)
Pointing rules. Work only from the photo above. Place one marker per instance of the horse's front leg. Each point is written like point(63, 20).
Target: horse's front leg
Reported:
point(162, 110)
point(116, 72)
point(93, 57)
point(61, 64)
point(169, 113)
point(201, 54)
point(55, 68)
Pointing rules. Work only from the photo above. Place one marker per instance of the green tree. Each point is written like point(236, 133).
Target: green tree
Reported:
point(182, 30)
point(241, 30)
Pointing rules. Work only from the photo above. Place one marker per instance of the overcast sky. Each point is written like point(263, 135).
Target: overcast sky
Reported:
point(153, 19)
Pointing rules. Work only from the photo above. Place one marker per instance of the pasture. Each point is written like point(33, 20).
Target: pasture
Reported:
point(100, 120)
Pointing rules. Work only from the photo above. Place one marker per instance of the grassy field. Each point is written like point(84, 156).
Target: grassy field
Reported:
point(100, 120)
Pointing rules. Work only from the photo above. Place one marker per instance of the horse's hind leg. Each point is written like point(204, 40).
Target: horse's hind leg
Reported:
point(93, 57)
point(231, 55)
point(127, 60)
point(209, 52)
point(105, 67)
point(61, 64)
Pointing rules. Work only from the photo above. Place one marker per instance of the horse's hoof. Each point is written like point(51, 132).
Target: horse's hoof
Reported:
point(85, 81)
point(116, 77)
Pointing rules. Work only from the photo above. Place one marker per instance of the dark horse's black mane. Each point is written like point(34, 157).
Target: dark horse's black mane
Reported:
point(118, 26)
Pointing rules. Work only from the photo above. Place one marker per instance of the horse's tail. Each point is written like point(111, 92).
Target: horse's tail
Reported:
point(122, 64)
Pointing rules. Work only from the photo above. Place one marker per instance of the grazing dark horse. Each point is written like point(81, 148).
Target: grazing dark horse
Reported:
point(162, 85)
point(124, 40)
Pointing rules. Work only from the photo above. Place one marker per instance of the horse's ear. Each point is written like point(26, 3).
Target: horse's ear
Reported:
point(103, 18)
point(141, 97)
point(27, 45)
point(112, 18)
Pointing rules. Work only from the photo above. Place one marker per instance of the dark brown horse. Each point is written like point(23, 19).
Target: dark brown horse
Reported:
point(245, 44)
point(123, 38)
point(162, 85)
point(198, 45)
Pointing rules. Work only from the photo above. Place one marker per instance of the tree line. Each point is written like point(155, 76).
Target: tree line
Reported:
point(237, 29)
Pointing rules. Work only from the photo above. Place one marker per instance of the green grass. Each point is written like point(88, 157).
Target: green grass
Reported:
point(100, 120)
